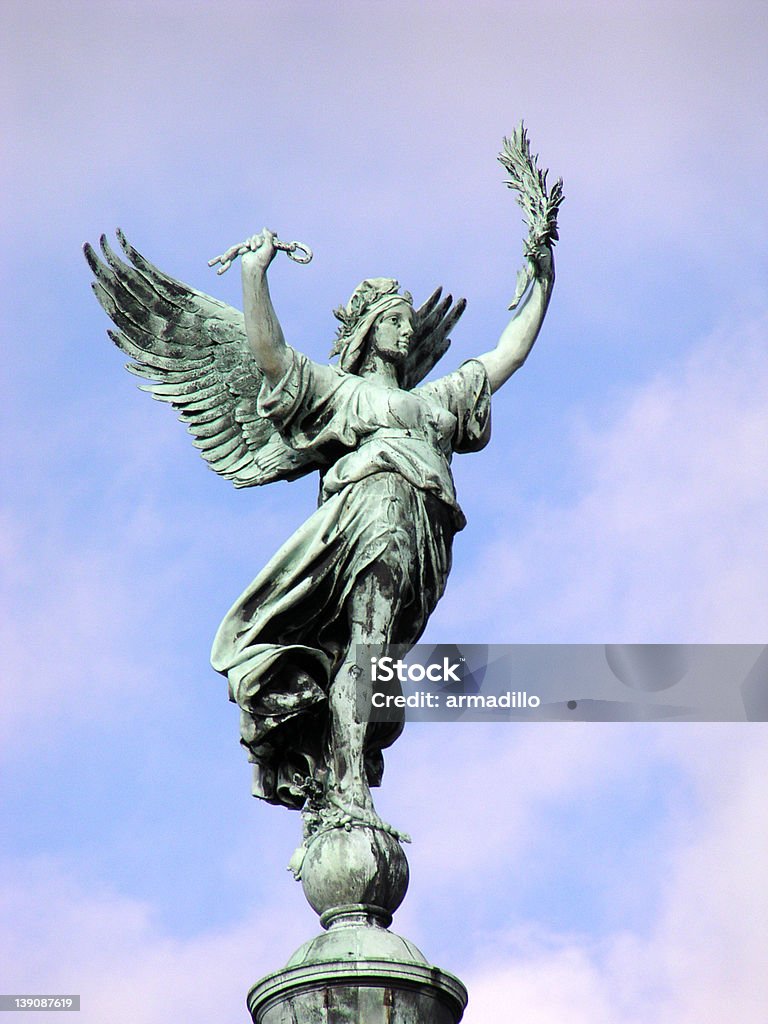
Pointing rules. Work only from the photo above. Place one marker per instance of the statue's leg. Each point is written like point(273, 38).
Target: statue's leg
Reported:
point(371, 610)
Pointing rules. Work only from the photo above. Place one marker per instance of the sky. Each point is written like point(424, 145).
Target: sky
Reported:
point(595, 872)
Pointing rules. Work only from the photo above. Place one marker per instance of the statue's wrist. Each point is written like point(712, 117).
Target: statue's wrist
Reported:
point(254, 273)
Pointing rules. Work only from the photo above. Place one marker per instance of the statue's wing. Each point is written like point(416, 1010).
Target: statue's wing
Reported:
point(194, 351)
point(432, 325)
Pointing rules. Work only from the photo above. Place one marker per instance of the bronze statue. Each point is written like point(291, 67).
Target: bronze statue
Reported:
point(369, 566)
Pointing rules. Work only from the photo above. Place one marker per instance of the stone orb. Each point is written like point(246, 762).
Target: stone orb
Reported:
point(363, 866)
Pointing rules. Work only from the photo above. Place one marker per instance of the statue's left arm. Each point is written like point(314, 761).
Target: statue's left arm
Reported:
point(519, 335)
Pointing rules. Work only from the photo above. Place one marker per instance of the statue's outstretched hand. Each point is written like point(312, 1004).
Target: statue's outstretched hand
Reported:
point(266, 244)
point(541, 258)
point(539, 266)
point(258, 251)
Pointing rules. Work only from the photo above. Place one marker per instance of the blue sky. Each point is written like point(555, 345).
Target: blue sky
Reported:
point(599, 872)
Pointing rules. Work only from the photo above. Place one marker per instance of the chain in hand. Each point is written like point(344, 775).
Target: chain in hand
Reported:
point(297, 251)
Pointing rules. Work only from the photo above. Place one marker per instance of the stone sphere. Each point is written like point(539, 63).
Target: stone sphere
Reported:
point(363, 866)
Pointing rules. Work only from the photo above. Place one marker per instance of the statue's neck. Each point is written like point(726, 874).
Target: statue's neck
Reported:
point(380, 369)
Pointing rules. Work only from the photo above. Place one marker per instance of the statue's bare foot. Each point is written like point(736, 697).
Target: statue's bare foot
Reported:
point(339, 810)
point(353, 813)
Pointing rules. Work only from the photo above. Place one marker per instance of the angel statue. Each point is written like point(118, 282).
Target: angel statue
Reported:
point(371, 563)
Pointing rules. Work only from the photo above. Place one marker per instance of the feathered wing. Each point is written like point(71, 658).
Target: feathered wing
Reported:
point(432, 325)
point(193, 350)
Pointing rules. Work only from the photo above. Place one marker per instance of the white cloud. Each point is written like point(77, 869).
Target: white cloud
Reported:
point(543, 986)
point(62, 936)
point(703, 957)
point(493, 789)
point(667, 541)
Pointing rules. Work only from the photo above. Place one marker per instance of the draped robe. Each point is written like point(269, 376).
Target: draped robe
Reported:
point(387, 498)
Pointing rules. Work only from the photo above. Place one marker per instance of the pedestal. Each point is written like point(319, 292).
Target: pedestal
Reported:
point(357, 971)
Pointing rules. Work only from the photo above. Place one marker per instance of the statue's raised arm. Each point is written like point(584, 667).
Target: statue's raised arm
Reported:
point(265, 335)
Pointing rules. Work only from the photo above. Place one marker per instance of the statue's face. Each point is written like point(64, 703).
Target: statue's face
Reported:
point(392, 332)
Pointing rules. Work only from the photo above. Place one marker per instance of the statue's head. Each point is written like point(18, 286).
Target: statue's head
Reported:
point(376, 314)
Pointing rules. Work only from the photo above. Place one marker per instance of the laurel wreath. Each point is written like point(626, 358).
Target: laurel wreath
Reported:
point(365, 296)
point(539, 205)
